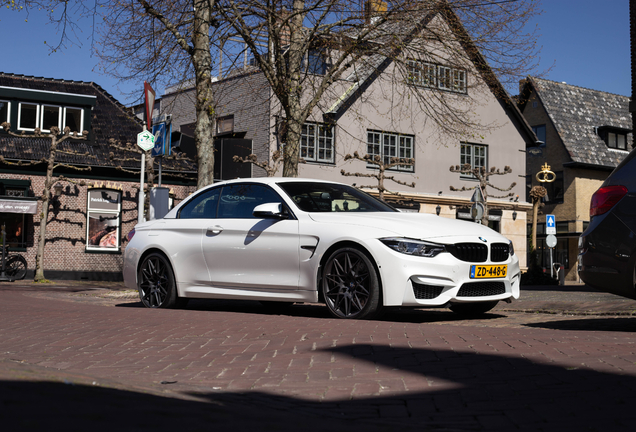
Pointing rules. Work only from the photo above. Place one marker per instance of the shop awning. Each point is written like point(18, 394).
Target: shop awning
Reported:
point(18, 206)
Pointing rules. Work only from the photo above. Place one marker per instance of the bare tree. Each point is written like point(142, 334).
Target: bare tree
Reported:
point(51, 164)
point(380, 175)
point(166, 42)
point(483, 176)
point(316, 46)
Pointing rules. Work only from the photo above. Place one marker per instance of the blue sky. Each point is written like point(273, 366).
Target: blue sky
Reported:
point(586, 40)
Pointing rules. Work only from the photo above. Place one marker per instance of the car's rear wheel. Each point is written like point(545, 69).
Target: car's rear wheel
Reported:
point(473, 309)
point(350, 285)
point(156, 283)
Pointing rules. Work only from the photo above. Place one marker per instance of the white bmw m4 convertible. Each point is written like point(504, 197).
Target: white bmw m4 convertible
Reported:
point(287, 240)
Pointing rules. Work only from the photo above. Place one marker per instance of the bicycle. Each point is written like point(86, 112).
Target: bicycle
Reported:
point(15, 266)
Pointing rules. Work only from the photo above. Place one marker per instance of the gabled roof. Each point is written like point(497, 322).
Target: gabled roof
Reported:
point(363, 76)
point(576, 113)
point(109, 120)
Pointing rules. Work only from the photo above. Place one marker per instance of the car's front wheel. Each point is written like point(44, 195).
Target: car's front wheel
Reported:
point(156, 283)
point(350, 285)
point(473, 309)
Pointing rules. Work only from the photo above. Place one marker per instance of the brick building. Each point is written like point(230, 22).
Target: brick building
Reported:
point(585, 134)
point(89, 219)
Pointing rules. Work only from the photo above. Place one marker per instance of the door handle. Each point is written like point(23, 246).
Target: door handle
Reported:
point(216, 229)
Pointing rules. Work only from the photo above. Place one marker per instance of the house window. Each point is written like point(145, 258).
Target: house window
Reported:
point(28, 116)
point(317, 143)
point(555, 189)
point(444, 78)
point(431, 75)
point(225, 124)
point(51, 116)
point(32, 116)
point(475, 155)
point(315, 62)
point(459, 81)
point(74, 119)
point(5, 107)
point(389, 145)
point(104, 220)
point(617, 140)
point(539, 131)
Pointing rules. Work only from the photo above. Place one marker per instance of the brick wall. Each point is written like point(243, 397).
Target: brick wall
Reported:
point(65, 254)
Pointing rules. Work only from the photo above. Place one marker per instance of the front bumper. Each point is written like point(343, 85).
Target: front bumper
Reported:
point(444, 279)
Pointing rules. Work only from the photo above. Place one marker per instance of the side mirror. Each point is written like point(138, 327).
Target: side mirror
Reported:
point(269, 211)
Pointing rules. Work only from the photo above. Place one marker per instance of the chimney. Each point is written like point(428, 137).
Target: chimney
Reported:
point(372, 9)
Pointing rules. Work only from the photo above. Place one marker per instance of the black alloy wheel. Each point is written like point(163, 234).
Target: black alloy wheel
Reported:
point(350, 285)
point(156, 283)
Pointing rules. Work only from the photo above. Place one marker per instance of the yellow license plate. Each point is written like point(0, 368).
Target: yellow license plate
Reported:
point(488, 271)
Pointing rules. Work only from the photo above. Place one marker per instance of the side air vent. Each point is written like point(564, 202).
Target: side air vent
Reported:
point(426, 292)
point(470, 252)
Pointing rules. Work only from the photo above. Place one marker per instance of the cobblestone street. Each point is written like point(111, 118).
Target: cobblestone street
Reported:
point(79, 356)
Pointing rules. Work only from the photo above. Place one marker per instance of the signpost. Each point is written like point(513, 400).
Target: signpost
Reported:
point(550, 224)
point(145, 141)
point(550, 241)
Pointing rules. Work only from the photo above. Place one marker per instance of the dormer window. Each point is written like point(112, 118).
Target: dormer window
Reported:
point(5, 108)
point(30, 109)
point(617, 140)
point(614, 137)
point(28, 116)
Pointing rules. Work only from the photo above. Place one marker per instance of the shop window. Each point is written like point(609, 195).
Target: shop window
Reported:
point(14, 226)
point(104, 220)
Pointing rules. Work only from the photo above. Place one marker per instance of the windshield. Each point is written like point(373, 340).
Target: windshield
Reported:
point(331, 197)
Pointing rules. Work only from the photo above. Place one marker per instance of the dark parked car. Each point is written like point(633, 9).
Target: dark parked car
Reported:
point(607, 248)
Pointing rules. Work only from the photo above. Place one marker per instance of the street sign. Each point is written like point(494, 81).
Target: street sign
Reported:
point(550, 224)
point(145, 140)
point(162, 133)
point(551, 241)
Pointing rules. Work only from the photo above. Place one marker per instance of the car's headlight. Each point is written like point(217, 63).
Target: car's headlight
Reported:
point(511, 249)
point(414, 247)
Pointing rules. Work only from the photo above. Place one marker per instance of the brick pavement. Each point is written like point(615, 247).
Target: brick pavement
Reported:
point(102, 361)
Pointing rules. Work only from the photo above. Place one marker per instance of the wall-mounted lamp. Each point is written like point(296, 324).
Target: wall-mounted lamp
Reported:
point(438, 210)
point(514, 215)
point(58, 189)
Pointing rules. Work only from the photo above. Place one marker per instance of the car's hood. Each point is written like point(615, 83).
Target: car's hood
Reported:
point(413, 225)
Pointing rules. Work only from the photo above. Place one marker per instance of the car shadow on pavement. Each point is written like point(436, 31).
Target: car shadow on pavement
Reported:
point(446, 390)
point(317, 310)
point(615, 324)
